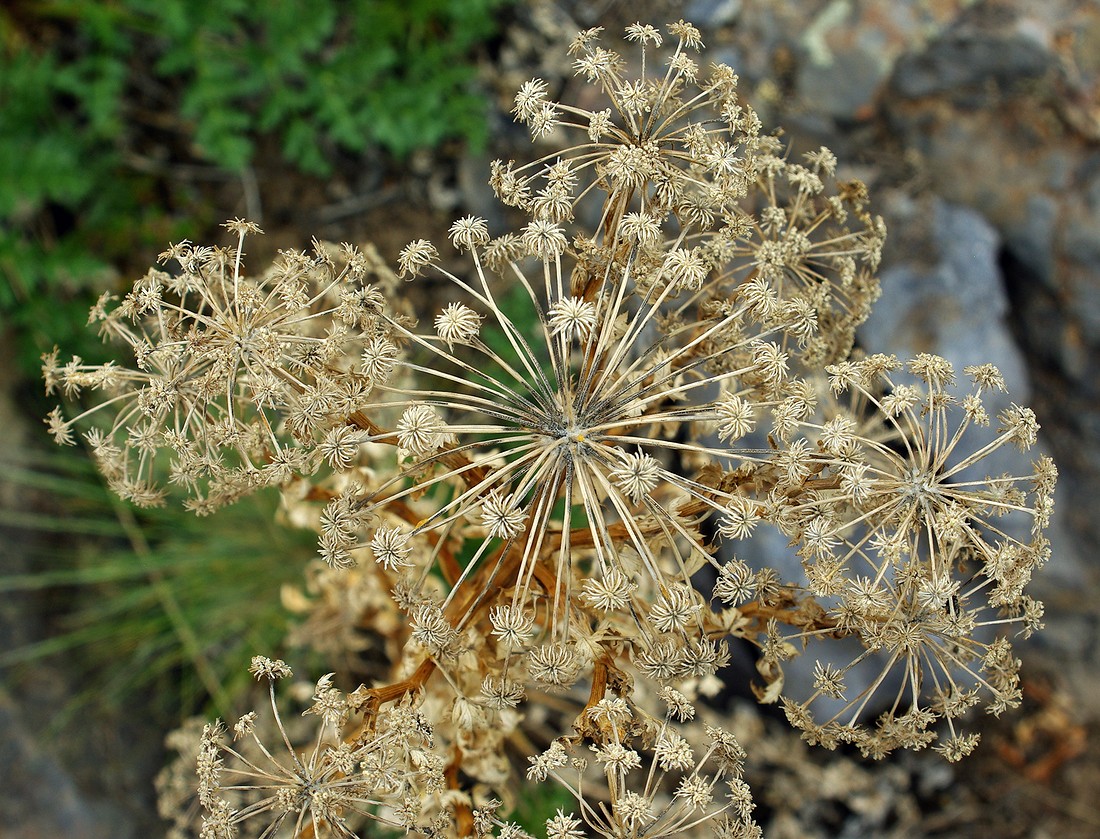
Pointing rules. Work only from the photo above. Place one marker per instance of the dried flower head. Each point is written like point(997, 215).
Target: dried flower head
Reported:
point(542, 465)
point(332, 788)
point(225, 364)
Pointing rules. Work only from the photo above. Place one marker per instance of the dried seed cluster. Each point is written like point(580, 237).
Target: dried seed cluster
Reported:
point(517, 500)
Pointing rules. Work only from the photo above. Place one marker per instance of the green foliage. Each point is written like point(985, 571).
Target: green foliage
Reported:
point(540, 802)
point(330, 75)
point(101, 101)
point(59, 194)
point(150, 599)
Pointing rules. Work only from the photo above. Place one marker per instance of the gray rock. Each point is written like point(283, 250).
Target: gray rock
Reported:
point(1031, 242)
point(845, 87)
point(961, 66)
point(705, 13)
point(952, 302)
point(40, 799)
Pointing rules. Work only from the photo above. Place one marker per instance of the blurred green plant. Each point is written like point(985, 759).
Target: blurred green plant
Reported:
point(322, 76)
point(145, 599)
point(111, 111)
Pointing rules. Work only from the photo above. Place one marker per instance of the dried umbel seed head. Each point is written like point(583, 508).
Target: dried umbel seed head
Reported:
point(457, 323)
point(547, 466)
point(225, 366)
point(337, 784)
point(917, 554)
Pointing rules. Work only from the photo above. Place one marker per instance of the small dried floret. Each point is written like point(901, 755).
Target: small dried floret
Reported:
point(829, 680)
point(266, 668)
point(617, 757)
point(838, 434)
point(630, 167)
point(1021, 425)
point(340, 446)
point(60, 430)
point(512, 624)
point(673, 752)
point(843, 375)
point(806, 181)
point(597, 63)
point(544, 121)
point(501, 692)
point(554, 665)
point(936, 371)
point(736, 583)
point(637, 475)
point(664, 660)
point(544, 239)
point(696, 791)
point(245, 725)
point(391, 548)
point(634, 97)
point(599, 125)
point(640, 228)
point(562, 826)
point(975, 410)
point(432, 629)
point(736, 418)
point(457, 324)
point(684, 66)
point(739, 518)
point(335, 549)
point(329, 703)
point(728, 752)
point(634, 811)
point(611, 711)
point(421, 431)
point(415, 256)
point(675, 609)
point(770, 362)
point(485, 817)
point(678, 704)
point(608, 593)
point(822, 160)
point(583, 38)
point(643, 34)
point(469, 232)
point(543, 764)
point(958, 747)
point(687, 33)
point(553, 204)
point(560, 175)
point(530, 99)
point(378, 359)
point(686, 268)
point(502, 516)
point(901, 399)
point(242, 227)
point(574, 317)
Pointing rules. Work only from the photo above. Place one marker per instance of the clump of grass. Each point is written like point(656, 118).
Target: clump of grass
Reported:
point(154, 603)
